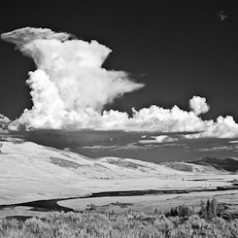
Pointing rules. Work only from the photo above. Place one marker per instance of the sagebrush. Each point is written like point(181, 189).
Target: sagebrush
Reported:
point(183, 224)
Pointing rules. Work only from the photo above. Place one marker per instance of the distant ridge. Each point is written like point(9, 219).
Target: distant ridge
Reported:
point(191, 167)
point(228, 164)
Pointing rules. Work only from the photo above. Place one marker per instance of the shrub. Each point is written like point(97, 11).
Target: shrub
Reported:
point(183, 224)
point(181, 211)
point(209, 210)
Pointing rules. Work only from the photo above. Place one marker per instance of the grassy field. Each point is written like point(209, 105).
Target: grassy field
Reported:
point(208, 221)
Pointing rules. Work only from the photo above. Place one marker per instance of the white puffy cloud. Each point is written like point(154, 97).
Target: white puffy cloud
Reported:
point(166, 120)
point(70, 83)
point(223, 127)
point(4, 122)
point(70, 88)
point(154, 118)
point(198, 105)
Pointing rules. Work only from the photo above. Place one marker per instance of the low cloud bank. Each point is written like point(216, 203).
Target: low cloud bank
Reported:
point(70, 88)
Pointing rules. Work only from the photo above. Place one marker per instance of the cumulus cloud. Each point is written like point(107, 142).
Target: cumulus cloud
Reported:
point(70, 88)
point(4, 122)
point(70, 83)
point(223, 127)
point(199, 105)
point(156, 118)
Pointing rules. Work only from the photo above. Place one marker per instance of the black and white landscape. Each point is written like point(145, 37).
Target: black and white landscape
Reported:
point(133, 112)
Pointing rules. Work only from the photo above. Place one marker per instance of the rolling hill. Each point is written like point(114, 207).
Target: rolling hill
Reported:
point(30, 172)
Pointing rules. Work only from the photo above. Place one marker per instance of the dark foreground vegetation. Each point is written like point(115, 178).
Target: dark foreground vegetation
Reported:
point(207, 221)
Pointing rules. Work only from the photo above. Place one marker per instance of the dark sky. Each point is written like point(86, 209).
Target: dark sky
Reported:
point(177, 48)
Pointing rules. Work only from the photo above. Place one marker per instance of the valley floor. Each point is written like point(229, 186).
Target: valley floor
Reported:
point(30, 172)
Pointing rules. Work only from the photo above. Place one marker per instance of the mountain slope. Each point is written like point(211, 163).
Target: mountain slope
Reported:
point(32, 172)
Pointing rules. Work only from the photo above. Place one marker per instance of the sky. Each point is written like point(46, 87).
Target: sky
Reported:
point(176, 49)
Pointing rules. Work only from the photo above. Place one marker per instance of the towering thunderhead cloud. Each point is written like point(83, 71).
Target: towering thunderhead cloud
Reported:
point(70, 85)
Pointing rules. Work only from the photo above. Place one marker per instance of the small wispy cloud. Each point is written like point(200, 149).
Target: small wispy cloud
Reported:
point(130, 146)
point(218, 148)
point(233, 142)
point(158, 139)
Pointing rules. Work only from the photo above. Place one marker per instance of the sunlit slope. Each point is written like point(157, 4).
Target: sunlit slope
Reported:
point(31, 172)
